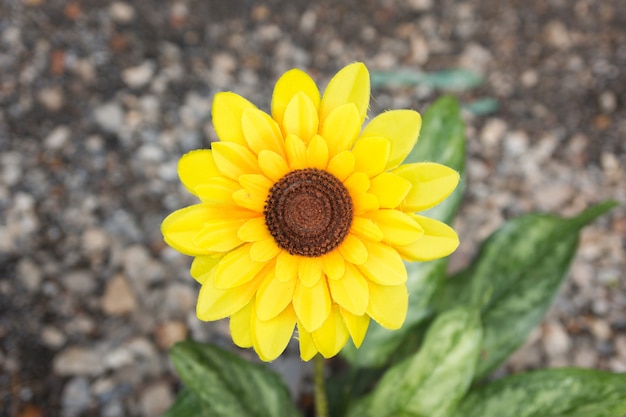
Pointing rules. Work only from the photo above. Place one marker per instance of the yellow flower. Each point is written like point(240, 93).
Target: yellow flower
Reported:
point(305, 218)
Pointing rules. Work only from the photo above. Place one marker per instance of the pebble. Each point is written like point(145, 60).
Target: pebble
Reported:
point(168, 333)
point(57, 138)
point(95, 240)
point(52, 98)
point(76, 397)
point(30, 274)
point(156, 399)
point(80, 282)
point(52, 337)
point(556, 341)
point(138, 76)
point(557, 35)
point(118, 298)
point(492, 132)
point(109, 116)
point(77, 360)
point(121, 12)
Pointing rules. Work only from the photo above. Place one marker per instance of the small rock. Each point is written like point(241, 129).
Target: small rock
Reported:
point(600, 329)
point(118, 358)
point(139, 76)
point(156, 399)
point(52, 337)
point(553, 196)
point(585, 357)
point(29, 274)
point(608, 101)
point(76, 397)
point(179, 298)
point(76, 360)
point(95, 240)
point(557, 35)
point(121, 12)
point(620, 346)
point(58, 138)
point(80, 282)
point(555, 340)
point(52, 98)
point(169, 333)
point(493, 132)
point(109, 116)
point(118, 297)
point(515, 143)
point(420, 5)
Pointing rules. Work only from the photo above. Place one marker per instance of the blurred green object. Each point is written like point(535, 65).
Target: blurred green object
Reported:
point(452, 80)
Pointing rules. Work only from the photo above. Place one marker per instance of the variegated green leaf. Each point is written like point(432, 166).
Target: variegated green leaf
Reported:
point(431, 382)
point(225, 385)
point(549, 393)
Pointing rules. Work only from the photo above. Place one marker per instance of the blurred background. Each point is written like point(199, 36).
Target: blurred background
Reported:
point(99, 99)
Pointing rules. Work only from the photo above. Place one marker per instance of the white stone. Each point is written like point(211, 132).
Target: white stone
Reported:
point(109, 116)
point(57, 138)
point(122, 12)
point(77, 360)
point(556, 342)
point(138, 76)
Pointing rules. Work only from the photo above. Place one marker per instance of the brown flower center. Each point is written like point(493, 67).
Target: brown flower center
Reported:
point(308, 212)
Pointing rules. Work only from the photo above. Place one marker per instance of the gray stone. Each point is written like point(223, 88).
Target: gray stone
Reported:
point(139, 76)
point(77, 360)
point(29, 274)
point(109, 116)
point(156, 399)
point(76, 397)
point(57, 138)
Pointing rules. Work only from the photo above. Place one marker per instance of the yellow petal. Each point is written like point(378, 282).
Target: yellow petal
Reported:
point(227, 112)
point(264, 250)
point(270, 338)
point(357, 326)
point(341, 128)
point(253, 230)
point(351, 291)
point(237, 268)
point(307, 346)
point(357, 183)
point(350, 85)
point(439, 240)
point(181, 226)
point(401, 127)
point(341, 165)
point(296, 152)
point(250, 201)
point(288, 85)
point(216, 303)
point(217, 190)
point(272, 165)
point(353, 250)
point(371, 155)
point(240, 326)
point(273, 296)
point(262, 132)
point(390, 189)
point(384, 265)
point(287, 266)
point(312, 304)
point(234, 160)
point(301, 117)
point(256, 184)
point(432, 183)
point(332, 336)
point(398, 228)
point(364, 203)
point(310, 271)
point(317, 153)
point(219, 235)
point(366, 229)
point(196, 168)
point(388, 304)
point(333, 265)
point(202, 266)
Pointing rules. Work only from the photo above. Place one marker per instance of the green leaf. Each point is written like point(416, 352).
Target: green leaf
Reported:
point(515, 277)
point(447, 80)
point(226, 385)
point(431, 382)
point(549, 393)
point(442, 140)
point(186, 405)
point(482, 106)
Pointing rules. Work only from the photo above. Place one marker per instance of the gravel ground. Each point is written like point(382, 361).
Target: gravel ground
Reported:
point(99, 99)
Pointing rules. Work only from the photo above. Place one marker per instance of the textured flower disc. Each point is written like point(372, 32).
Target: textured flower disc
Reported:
point(308, 212)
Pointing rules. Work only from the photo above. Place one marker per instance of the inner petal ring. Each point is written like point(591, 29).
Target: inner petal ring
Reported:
point(308, 212)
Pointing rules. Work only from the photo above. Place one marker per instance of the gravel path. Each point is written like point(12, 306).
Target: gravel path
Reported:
point(99, 99)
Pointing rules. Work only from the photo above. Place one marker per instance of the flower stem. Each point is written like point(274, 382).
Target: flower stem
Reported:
point(321, 403)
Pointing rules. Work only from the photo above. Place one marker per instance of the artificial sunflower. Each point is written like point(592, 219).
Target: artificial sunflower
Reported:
point(305, 218)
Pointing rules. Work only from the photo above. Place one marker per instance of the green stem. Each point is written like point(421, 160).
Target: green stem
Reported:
point(321, 403)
